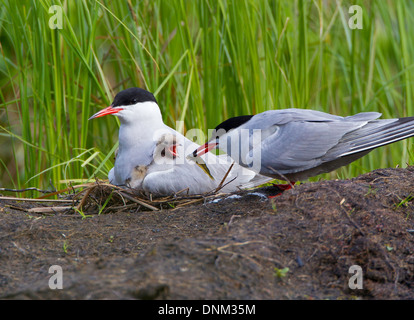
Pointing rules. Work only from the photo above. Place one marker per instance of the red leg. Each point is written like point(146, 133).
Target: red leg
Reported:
point(282, 187)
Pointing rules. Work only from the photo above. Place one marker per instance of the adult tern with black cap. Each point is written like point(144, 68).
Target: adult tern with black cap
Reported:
point(151, 155)
point(295, 144)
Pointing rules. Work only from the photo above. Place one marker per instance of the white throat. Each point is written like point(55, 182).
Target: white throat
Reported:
point(137, 134)
point(138, 124)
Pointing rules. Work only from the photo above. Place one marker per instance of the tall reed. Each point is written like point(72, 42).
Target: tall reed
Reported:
point(205, 60)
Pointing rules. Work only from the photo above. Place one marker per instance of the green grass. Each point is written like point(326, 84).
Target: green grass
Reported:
point(205, 60)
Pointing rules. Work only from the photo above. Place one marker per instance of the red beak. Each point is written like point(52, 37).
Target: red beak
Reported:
point(106, 111)
point(204, 148)
point(173, 150)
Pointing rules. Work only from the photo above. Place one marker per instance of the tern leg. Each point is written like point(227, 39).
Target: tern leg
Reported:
point(282, 187)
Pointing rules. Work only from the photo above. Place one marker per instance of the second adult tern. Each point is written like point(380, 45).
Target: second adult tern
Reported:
point(295, 144)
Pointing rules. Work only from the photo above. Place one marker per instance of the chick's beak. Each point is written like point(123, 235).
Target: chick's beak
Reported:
point(173, 149)
point(106, 111)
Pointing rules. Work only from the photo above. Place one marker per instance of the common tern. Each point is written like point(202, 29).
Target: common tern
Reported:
point(151, 155)
point(296, 144)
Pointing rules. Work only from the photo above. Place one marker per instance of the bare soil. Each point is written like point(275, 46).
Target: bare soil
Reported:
point(236, 248)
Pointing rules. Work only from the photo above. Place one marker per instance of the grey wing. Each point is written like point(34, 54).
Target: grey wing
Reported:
point(299, 145)
point(284, 116)
point(237, 178)
point(185, 173)
point(373, 135)
point(177, 179)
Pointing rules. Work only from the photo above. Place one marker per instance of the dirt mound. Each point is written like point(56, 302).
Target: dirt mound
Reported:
point(299, 245)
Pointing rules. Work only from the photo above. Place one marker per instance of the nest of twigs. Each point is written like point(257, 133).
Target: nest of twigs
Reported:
point(102, 197)
point(106, 197)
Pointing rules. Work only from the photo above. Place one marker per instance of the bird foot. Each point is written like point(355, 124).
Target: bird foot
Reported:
point(282, 187)
point(276, 195)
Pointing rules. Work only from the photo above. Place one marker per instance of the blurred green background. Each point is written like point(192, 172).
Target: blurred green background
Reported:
point(205, 60)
